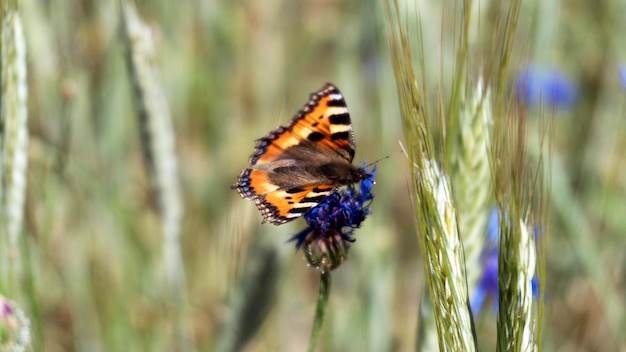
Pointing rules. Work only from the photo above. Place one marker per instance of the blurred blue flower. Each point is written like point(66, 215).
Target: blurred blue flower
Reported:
point(327, 238)
point(488, 282)
point(622, 75)
point(544, 86)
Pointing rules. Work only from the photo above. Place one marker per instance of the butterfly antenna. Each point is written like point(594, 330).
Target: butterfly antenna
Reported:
point(383, 158)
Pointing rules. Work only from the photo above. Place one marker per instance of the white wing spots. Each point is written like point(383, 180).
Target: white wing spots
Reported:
point(336, 110)
point(335, 97)
point(340, 128)
point(308, 205)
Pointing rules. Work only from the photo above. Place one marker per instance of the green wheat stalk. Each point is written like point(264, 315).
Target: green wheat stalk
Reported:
point(158, 146)
point(517, 261)
point(472, 190)
point(435, 212)
point(14, 144)
point(522, 201)
point(474, 161)
point(467, 126)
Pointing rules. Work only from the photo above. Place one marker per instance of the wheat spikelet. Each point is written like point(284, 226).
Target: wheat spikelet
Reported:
point(157, 137)
point(471, 178)
point(13, 117)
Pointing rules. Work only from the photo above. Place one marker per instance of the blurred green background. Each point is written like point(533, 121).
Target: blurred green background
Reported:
point(234, 70)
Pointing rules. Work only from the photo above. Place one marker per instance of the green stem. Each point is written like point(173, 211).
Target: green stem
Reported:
point(322, 302)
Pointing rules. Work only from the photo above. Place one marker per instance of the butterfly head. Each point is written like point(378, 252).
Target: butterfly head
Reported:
point(341, 173)
point(360, 174)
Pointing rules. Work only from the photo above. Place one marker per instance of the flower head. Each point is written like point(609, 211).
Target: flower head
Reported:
point(327, 238)
point(550, 87)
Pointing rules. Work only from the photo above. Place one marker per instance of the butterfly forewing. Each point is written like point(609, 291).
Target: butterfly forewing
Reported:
point(327, 124)
point(323, 122)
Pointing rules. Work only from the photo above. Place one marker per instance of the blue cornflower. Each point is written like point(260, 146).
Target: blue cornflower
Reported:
point(544, 86)
point(622, 75)
point(331, 224)
point(488, 283)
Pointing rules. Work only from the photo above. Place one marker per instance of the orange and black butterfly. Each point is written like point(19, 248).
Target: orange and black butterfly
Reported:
point(294, 168)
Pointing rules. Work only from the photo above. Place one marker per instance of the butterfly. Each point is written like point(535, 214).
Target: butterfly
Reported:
point(295, 168)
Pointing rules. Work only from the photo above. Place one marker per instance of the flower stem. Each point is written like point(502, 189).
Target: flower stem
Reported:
point(322, 302)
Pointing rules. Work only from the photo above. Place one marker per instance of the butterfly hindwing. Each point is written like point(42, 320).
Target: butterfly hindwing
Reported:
point(279, 205)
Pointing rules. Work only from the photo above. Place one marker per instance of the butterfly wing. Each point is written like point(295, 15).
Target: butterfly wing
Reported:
point(323, 123)
point(291, 165)
point(279, 205)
